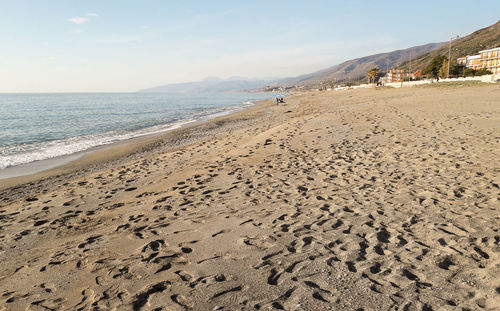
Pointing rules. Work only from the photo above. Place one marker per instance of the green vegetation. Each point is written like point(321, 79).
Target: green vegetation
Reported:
point(435, 66)
point(443, 71)
point(455, 69)
point(373, 75)
point(438, 67)
point(483, 39)
point(468, 72)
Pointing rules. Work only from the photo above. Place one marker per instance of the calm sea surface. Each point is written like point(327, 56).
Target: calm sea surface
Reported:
point(35, 127)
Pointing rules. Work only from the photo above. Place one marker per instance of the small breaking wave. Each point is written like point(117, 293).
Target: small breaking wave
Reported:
point(21, 154)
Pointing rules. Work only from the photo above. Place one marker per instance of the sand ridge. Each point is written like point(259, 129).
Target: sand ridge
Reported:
point(366, 200)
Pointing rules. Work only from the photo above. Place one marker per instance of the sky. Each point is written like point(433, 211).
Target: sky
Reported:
point(125, 46)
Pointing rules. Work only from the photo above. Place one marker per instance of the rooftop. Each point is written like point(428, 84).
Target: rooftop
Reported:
point(494, 49)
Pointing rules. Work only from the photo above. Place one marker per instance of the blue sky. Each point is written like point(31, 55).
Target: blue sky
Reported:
point(97, 45)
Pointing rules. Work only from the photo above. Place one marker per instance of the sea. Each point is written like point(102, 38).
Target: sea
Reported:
point(37, 127)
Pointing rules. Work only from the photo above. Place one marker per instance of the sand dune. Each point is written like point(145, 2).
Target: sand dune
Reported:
point(356, 200)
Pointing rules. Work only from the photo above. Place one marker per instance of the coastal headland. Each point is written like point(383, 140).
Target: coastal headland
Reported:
point(374, 199)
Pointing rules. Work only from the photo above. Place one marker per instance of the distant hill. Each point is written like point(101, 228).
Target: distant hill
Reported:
point(356, 68)
point(210, 84)
point(482, 39)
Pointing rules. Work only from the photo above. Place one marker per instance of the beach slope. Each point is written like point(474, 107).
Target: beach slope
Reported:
point(354, 200)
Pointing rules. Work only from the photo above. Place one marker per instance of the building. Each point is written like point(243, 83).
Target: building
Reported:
point(416, 74)
point(396, 75)
point(490, 59)
point(462, 61)
point(487, 59)
point(472, 62)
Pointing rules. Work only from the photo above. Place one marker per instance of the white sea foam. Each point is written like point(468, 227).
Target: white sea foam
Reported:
point(21, 154)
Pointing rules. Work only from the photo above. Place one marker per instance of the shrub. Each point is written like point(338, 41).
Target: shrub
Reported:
point(434, 66)
point(468, 72)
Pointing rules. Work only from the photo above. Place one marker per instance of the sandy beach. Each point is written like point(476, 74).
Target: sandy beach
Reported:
point(376, 199)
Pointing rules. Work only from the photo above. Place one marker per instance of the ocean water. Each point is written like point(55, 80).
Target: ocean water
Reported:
point(36, 127)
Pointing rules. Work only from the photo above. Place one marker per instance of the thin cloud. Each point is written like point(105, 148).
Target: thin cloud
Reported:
point(78, 20)
point(82, 19)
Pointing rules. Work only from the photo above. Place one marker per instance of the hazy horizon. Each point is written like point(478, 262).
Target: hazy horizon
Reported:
point(117, 46)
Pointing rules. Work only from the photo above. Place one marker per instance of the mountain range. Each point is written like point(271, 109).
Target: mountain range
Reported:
point(351, 69)
point(354, 70)
point(210, 84)
point(482, 39)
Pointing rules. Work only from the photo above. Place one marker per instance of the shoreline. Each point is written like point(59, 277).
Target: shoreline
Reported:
point(98, 157)
point(34, 155)
point(39, 166)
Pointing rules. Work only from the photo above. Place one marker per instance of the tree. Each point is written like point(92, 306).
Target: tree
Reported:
point(373, 75)
point(456, 70)
point(469, 72)
point(434, 66)
point(443, 71)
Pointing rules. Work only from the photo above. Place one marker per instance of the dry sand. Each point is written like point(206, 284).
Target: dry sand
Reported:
point(355, 200)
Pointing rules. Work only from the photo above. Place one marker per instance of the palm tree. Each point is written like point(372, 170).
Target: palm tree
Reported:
point(372, 74)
